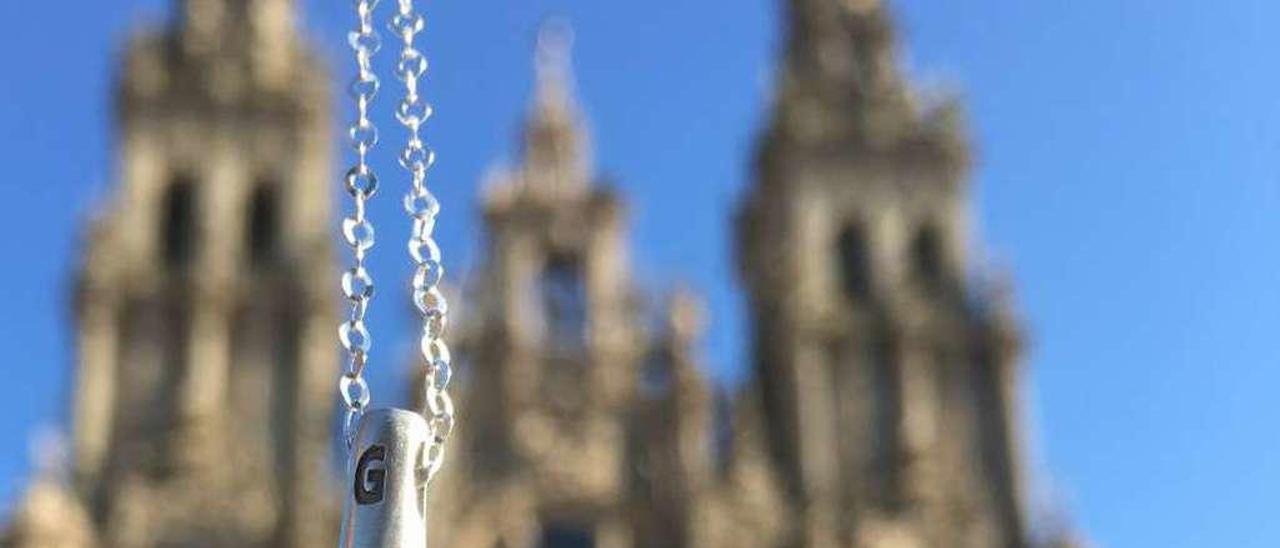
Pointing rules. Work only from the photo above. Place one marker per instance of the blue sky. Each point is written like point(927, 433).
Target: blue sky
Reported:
point(1127, 176)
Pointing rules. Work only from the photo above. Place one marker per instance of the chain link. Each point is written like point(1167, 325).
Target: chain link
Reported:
point(422, 207)
point(361, 184)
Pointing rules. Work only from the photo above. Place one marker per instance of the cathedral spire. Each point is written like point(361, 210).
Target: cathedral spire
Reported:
point(215, 14)
point(553, 60)
point(849, 43)
point(556, 147)
point(264, 29)
point(840, 79)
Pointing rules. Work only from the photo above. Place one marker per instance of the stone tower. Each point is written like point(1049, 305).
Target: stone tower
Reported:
point(588, 421)
point(887, 376)
point(202, 408)
point(882, 408)
point(551, 345)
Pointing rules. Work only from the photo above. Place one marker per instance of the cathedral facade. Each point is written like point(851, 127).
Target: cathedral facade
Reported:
point(881, 410)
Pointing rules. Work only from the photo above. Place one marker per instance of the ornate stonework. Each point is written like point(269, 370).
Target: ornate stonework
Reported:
point(552, 347)
point(882, 409)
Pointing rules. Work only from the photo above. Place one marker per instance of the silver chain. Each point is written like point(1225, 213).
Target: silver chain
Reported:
point(422, 208)
point(361, 183)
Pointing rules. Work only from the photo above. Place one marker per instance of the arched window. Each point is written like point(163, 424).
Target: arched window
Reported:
point(926, 258)
point(178, 222)
point(262, 235)
point(564, 300)
point(854, 267)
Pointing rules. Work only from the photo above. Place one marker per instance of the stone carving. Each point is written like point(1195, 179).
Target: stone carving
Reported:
point(881, 412)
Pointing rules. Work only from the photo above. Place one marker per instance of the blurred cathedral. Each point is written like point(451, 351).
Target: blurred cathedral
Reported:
point(881, 412)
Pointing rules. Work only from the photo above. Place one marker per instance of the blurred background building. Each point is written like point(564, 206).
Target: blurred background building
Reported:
point(202, 403)
point(882, 410)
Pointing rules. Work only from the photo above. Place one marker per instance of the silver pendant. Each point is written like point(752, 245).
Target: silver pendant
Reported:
point(386, 496)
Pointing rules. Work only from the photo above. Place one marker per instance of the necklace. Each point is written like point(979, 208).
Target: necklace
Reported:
point(392, 453)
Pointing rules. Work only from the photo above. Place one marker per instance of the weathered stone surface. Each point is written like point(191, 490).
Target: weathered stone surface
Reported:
point(881, 411)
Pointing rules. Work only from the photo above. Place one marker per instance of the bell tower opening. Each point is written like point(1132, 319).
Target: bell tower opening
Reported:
point(179, 223)
point(926, 258)
point(564, 300)
point(262, 235)
point(854, 266)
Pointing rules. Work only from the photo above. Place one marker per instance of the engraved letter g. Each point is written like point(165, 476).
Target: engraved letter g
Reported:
point(370, 483)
